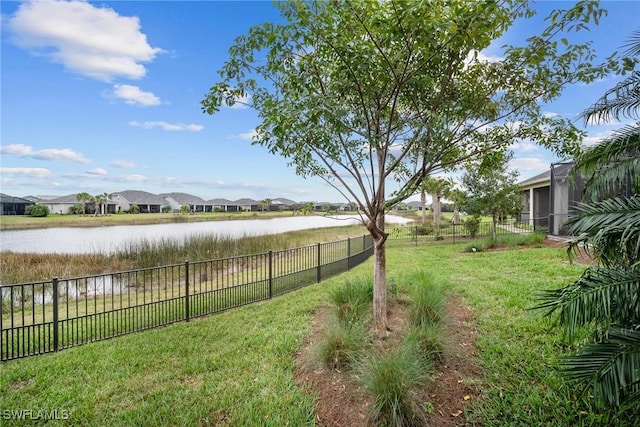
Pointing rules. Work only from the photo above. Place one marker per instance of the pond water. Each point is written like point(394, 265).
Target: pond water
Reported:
point(110, 239)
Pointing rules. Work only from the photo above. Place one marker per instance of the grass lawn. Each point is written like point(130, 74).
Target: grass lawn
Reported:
point(236, 368)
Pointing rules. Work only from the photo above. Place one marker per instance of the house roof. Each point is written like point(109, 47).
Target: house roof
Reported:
point(185, 198)
point(140, 197)
point(283, 201)
point(70, 198)
point(539, 180)
point(220, 202)
point(5, 198)
point(245, 202)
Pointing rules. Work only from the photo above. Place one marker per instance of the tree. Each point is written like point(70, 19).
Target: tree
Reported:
point(360, 93)
point(436, 187)
point(606, 296)
point(184, 209)
point(264, 204)
point(84, 198)
point(491, 188)
point(100, 200)
point(458, 198)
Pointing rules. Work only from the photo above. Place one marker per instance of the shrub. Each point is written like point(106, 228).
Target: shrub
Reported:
point(424, 230)
point(472, 225)
point(134, 209)
point(37, 210)
point(76, 209)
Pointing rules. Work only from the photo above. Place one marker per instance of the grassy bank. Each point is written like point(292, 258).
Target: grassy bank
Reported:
point(21, 268)
point(237, 368)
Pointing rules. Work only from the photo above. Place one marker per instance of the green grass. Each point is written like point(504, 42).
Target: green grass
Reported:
point(237, 367)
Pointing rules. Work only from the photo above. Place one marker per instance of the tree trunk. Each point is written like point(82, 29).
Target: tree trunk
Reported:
point(380, 287)
point(436, 209)
point(456, 215)
point(379, 277)
point(494, 231)
point(423, 205)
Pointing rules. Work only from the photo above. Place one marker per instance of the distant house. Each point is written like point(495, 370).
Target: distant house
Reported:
point(282, 204)
point(10, 205)
point(147, 202)
point(195, 203)
point(247, 205)
point(62, 204)
point(549, 198)
point(223, 205)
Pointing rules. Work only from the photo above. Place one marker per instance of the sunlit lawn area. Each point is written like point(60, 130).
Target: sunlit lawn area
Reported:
point(237, 368)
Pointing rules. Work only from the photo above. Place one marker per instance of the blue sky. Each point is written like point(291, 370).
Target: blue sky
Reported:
point(105, 97)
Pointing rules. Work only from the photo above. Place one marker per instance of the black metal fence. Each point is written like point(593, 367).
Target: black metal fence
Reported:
point(447, 232)
point(48, 316)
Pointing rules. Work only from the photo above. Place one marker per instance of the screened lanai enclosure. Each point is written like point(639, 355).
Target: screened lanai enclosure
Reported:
point(565, 193)
point(550, 198)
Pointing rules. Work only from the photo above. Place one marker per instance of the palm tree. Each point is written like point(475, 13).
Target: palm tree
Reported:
point(607, 295)
point(264, 204)
point(436, 187)
point(84, 198)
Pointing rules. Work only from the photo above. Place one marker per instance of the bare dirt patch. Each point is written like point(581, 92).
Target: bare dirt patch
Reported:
point(341, 401)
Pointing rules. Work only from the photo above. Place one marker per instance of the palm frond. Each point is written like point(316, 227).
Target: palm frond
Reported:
point(633, 46)
point(611, 162)
point(599, 296)
point(610, 367)
point(621, 101)
point(612, 223)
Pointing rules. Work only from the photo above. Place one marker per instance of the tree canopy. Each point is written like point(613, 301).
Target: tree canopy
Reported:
point(366, 94)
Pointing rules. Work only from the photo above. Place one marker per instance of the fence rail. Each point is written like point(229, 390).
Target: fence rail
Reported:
point(48, 316)
point(425, 233)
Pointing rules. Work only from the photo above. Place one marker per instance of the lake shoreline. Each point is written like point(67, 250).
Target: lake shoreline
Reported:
point(83, 221)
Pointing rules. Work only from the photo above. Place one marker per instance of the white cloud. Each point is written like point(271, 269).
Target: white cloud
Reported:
point(529, 166)
point(123, 164)
point(97, 172)
point(170, 127)
point(132, 95)
point(132, 178)
point(21, 150)
point(30, 172)
point(526, 147)
point(481, 57)
point(241, 103)
point(247, 136)
point(88, 40)
point(595, 138)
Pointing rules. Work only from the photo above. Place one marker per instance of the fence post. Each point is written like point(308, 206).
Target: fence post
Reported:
point(54, 283)
point(349, 253)
point(186, 291)
point(318, 272)
point(270, 274)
